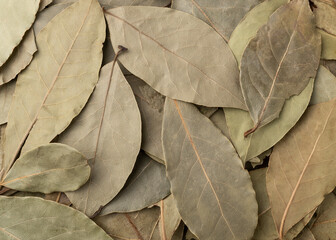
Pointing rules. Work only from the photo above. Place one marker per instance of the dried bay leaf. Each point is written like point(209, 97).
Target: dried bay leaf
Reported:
point(19, 59)
point(330, 65)
point(213, 192)
point(108, 133)
point(32, 218)
point(49, 168)
point(44, 4)
point(273, 69)
point(218, 119)
point(222, 15)
point(146, 186)
point(16, 18)
point(150, 105)
point(264, 138)
point(6, 94)
point(59, 80)
point(324, 87)
point(130, 226)
point(324, 227)
point(207, 111)
point(325, 15)
point(250, 24)
point(328, 45)
point(177, 54)
point(301, 169)
point(306, 234)
point(119, 3)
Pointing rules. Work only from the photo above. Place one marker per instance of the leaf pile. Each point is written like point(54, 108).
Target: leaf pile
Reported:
point(160, 120)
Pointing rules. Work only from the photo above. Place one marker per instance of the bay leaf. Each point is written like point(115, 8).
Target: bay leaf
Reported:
point(19, 59)
point(328, 45)
point(325, 15)
point(213, 192)
point(108, 133)
point(250, 24)
point(32, 218)
point(59, 80)
point(177, 54)
point(218, 119)
point(330, 65)
point(119, 3)
point(267, 136)
point(324, 227)
point(301, 169)
point(6, 94)
point(222, 15)
point(44, 4)
point(324, 87)
point(49, 168)
point(273, 69)
point(130, 226)
point(16, 18)
point(306, 234)
point(146, 186)
point(207, 111)
point(150, 105)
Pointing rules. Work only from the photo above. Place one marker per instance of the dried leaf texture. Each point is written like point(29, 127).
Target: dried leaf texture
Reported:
point(59, 80)
point(213, 192)
point(302, 168)
point(325, 16)
point(16, 18)
point(324, 87)
point(146, 186)
point(6, 94)
point(177, 54)
point(222, 15)
point(32, 218)
point(306, 234)
point(50, 168)
point(20, 58)
point(275, 68)
point(328, 45)
point(108, 133)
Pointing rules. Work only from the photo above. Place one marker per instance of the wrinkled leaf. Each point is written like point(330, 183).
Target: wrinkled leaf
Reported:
point(59, 80)
point(250, 24)
point(20, 58)
point(222, 15)
point(183, 63)
point(213, 192)
point(328, 45)
point(108, 133)
point(301, 163)
point(16, 18)
point(150, 105)
point(273, 69)
point(31, 218)
point(50, 168)
point(6, 94)
point(130, 226)
point(324, 227)
point(146, 186)
point(264, 138)
point(324, 87)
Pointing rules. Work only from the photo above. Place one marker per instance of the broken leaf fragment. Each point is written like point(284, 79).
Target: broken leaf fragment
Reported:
point(50, 168)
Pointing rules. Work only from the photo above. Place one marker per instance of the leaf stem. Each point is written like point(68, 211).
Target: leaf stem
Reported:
point(133, 226)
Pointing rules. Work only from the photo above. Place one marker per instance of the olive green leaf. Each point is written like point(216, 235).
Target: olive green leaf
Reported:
point(16, 18)
point(6, 94)
point(324, 227)
point(324, 87)
point(328, 45)
point(264, 138)
point(273, 69)
point(213, 192)
point(218, 119)
point(302, 166)
point(193, 63)
point(19, 59)
point(250, 24)
point(306, 234)
point(146, 186)
point(222, 15)
point(207, 111)
point(150, 104)
point(108, 133)
point(59, 80)
point(130, 226)
point(325, 15)
point(49, 168)
point(32, 218)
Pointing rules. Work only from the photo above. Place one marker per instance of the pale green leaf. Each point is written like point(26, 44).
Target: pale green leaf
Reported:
point(31, 218)
point(328, 45)
point(49, 168)
point(6, 94)
point(183, 63)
